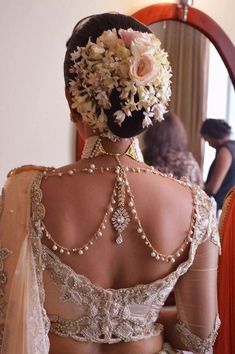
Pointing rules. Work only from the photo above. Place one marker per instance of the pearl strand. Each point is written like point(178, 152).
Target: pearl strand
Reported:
point(120, 171)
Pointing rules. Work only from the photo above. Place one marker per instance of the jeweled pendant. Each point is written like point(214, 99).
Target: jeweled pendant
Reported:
point(119, 239)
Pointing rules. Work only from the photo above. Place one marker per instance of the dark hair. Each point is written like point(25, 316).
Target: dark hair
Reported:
point(163, 137)
point(92, 27)
point(215, 128)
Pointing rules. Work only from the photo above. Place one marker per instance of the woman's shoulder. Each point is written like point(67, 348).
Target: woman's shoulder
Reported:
point(28, 168)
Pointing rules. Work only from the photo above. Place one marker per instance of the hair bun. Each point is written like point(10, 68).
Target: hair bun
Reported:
point(131, 126)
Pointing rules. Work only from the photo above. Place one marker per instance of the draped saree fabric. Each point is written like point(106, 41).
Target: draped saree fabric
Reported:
point(23, 323)
point(225, 343)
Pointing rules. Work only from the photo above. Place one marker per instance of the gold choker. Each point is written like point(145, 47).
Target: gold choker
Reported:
point(94, 148)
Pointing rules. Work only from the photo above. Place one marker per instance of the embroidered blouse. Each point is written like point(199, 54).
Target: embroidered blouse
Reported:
point(70, 305)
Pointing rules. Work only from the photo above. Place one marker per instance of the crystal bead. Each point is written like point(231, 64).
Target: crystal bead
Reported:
point(119, 239)
point(54, 247)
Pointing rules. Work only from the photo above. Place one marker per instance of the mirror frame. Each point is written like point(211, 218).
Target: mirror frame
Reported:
point(195, 18)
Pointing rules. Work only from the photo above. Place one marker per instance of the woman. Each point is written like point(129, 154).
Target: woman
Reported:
point(226, 341)
point(87, 249)
point(221, 175)
point(166, 148)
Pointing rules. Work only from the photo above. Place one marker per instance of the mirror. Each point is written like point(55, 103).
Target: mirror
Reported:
point(192, 45)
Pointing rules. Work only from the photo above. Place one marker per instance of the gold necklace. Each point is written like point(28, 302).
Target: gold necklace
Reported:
point(120, 210)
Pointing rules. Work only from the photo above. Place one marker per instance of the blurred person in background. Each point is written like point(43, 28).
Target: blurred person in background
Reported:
point(221, 175)
point(166, 148)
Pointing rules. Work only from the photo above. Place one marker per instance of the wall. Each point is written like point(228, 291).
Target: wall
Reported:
point(34, 118)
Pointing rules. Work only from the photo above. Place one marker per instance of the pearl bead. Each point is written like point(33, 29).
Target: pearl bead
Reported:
point(143, 237)
point(130, 204)
point(99, 233)
point(86, 248)
point(54, 247)
point(59, 174)
point(157, 257)
point(153, 254)
point(70, 172)
point(133, 211)
point(68, 253)
point(61, 250)
point(80, 252)
point(139, 230)
point(92, 166)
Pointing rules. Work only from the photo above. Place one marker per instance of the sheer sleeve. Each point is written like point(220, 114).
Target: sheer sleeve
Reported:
point(196, 293)
point(23, 322)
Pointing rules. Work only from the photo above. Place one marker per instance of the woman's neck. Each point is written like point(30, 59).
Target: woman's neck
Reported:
point(119, 147)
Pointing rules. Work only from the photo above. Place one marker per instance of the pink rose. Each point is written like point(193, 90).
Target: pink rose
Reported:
point(143, 70)
point(129, 36)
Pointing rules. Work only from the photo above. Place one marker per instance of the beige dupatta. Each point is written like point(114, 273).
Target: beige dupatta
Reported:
point(23, 322)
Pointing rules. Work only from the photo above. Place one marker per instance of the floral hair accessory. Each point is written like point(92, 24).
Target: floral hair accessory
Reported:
point(131, 62)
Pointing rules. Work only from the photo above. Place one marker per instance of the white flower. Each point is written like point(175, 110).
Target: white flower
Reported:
point(76, 54)
point(119, 117)
point(108, 38)
point(96, 52)
point(158, 110)
point(143, 70)
point(103, 100)
point(134, 65)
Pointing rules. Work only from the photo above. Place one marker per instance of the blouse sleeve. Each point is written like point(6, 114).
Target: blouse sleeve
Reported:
point(196, 294)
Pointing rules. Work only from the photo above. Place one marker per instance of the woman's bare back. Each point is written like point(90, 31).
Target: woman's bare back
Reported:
point(74, 209)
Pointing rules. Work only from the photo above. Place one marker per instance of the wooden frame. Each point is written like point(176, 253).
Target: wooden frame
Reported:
point(200, 21)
